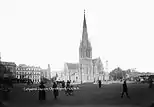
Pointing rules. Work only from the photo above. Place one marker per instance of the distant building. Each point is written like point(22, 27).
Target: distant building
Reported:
point(46, 73)
point(106, 73)
point(98, 69)
point(62, 76)
point(2, 70)
point(29, 72)
point(106, 76)
point(71, 72)
point(9, 69)
point(36, 74)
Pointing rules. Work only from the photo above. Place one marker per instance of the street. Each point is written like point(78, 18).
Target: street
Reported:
point(88, 95)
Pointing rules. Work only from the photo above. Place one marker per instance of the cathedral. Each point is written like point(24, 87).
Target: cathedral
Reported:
point(88, 69)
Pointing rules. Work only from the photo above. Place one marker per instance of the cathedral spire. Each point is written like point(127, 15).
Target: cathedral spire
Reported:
point(85, 46)
point(84, 22)
point(84, 34)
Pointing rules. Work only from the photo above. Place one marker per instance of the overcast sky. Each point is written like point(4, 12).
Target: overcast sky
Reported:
point(41, 32)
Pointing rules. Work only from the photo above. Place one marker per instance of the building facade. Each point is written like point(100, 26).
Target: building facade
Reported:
point(88, 69)
point(98, 69)
point(71, 72)
point(36, 74)
point(46, 73)
point(29, 72)
point(9, 69)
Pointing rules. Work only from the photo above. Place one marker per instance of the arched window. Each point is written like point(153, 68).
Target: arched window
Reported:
point(87, 53)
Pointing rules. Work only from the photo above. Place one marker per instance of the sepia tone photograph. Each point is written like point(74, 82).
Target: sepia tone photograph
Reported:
point(81, 53)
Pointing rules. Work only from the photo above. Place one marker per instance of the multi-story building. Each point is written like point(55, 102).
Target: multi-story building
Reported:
point(9, 69)
point(36, 74)
point(30, 72)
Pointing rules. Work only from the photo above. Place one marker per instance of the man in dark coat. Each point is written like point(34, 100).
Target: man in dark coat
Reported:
point(68, 86)
point(150, 83)
point(63, 84)
point(125, 90)
point(42, 95)
point(55, 90)
point(99, 83)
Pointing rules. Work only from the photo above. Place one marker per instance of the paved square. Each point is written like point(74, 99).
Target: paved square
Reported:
point(88, 95)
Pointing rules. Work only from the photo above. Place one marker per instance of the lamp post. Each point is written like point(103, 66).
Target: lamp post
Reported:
point(69, 76)
point(93, 72)
point(81, 72)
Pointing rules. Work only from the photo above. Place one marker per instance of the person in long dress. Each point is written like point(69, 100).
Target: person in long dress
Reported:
point(42, 94)
point(150, 83)
point(99, 83)
point(55, 90)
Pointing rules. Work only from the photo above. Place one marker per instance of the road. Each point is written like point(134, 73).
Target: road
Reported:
point(88, 95)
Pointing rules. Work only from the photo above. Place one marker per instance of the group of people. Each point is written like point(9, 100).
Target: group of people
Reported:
point(68, 89)
point(42, 93)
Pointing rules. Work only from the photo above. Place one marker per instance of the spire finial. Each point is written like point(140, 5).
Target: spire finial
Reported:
point(84, 11)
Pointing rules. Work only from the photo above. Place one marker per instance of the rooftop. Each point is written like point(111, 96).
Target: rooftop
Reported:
point(72, 65)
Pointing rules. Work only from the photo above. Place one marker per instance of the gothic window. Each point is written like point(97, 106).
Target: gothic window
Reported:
point(86, 53)
point(90, 53)
point(81, 53)
point(87, 70)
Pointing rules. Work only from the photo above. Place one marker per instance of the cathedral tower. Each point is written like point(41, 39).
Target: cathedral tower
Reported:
point(85, 55)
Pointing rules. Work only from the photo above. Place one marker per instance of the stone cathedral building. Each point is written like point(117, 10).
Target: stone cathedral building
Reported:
point(88, 69)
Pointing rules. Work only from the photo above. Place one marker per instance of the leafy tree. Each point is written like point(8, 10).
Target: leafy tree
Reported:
point(118, 74)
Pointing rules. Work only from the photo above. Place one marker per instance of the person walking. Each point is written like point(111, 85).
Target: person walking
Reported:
point(55, 90)
point(42, 94)
point(99, 83)
point(150, 83)
point(63, 84)
point(68, 86)
point(125, 90)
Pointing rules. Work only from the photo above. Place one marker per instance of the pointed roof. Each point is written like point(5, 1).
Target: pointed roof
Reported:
point(95, 60)
point(84, 21)
point(72, 65)
point(84, 33)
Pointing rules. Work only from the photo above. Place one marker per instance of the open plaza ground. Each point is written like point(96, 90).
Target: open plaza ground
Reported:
point(88, 95)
